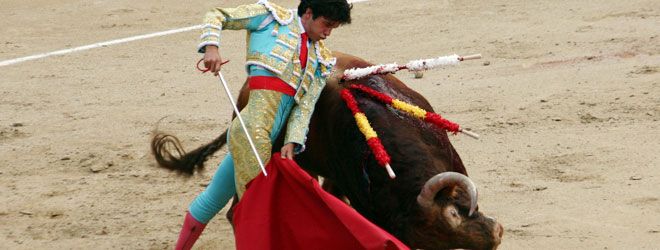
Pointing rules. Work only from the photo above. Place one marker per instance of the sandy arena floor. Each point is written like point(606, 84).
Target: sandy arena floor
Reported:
point(567, 100)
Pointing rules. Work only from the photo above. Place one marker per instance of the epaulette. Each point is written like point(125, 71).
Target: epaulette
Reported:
point(282, 15)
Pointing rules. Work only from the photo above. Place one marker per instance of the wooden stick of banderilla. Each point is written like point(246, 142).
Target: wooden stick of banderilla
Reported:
point(470, 57)
point(469, 133)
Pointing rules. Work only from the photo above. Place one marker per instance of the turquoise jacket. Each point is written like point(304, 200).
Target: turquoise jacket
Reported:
point(273, 49)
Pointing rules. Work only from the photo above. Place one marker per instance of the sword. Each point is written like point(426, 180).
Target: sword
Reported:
point(238, 114)
point(240, 119)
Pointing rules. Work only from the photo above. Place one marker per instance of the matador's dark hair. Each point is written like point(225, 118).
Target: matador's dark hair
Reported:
point(334, 10)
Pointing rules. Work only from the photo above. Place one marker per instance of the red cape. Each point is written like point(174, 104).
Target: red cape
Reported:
point(289, 210)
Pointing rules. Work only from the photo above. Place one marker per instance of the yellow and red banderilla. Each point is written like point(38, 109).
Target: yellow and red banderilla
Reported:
point(370, 135)
point(415, 111)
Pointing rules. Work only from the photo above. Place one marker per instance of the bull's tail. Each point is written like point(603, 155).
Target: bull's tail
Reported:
point(182, 162)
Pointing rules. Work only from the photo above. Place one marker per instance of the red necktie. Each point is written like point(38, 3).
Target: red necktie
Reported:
point(303, 50)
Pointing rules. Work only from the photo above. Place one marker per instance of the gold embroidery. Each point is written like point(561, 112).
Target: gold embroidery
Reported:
point(290, 78)
point(295, 28)
point(218, 16)
point(308, 76)
point(326, 54)
point(292, 42)
point(301, 113)
point(282, 51)
point(236, 24)
point(267, 60)
point(259, 116)
point(282, 15)
point(326, 59)
point(244, 11)
point(229, 18)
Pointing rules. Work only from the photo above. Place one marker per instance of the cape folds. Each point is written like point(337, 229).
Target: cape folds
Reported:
point(289, 210)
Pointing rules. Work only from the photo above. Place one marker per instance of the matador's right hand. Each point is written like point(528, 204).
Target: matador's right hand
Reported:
point(212, 59)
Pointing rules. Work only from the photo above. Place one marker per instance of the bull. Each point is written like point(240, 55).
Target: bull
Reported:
point(431, 204)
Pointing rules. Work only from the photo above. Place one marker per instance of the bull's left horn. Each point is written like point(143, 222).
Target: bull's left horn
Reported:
point(438, 182)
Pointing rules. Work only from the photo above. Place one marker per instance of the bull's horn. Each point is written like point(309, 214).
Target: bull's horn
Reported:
point(438, 182)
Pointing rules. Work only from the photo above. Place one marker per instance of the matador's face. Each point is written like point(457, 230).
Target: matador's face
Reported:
point(317, 28)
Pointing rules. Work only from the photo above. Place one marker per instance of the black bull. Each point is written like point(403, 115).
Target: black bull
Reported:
point(427, 205)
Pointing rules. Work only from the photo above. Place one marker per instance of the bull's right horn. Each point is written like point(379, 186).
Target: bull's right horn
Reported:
point(438, 182)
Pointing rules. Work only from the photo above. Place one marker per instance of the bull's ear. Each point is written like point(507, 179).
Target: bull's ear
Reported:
point(442, 199)
point(449, 192)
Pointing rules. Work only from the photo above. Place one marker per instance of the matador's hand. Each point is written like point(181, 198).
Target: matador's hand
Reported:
point(287, 151)
point(212, 59)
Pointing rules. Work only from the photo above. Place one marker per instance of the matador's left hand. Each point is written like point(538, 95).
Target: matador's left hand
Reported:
point(287, 151)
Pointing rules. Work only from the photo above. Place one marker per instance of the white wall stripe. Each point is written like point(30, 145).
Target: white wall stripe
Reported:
point(108, 43)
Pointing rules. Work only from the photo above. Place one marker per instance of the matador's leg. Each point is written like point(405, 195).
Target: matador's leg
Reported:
point(264, 115)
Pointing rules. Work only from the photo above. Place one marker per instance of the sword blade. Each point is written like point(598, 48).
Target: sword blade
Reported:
point(240, 119)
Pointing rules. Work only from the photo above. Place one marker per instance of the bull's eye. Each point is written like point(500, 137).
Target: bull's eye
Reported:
point(452, 216)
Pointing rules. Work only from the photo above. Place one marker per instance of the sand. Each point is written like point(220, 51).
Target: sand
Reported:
point(566, 98)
